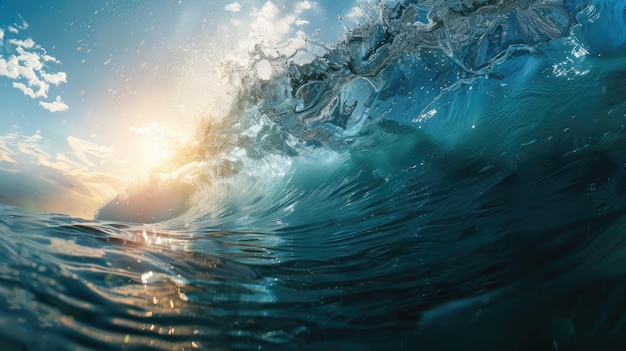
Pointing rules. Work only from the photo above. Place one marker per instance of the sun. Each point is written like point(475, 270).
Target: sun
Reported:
point(157, 151)
point(156, 145)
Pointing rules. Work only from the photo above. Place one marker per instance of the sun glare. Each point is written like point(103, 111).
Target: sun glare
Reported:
point(156, 145)
point(156, 151)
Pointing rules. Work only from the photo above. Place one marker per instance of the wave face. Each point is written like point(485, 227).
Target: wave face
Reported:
point(449, 175)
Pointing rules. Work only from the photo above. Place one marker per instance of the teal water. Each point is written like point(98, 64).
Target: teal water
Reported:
point(449, 176)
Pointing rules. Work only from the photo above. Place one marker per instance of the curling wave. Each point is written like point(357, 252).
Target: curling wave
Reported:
point(449, 167)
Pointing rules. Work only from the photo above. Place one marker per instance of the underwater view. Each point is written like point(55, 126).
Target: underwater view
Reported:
point(313, 175)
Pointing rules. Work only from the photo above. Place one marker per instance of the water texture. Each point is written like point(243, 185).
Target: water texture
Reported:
point(449, 175)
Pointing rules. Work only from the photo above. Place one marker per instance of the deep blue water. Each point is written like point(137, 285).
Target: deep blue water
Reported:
point(448, 176)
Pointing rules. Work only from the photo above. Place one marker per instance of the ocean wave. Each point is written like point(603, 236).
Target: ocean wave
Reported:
point(446, 168)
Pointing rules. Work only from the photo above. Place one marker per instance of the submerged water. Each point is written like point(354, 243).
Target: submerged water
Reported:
point(448, 176)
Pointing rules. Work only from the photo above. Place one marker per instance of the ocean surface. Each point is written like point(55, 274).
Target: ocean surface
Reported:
point(447, 175)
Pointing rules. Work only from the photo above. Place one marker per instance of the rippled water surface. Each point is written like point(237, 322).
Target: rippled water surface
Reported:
point(445, 176)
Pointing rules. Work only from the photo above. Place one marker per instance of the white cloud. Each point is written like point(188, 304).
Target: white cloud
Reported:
point(269, 21)
point(28, 43)
point(9, 68)
point(15, 28)
point(28, 68)
point(273, 24)
point(36, 180)
point(49, 58)
point(41, 92)
point(56, 78)
point(56, 106)
point(27, 72)
point(267, 32)
point(234, 7)
point(273, 28)
point(24, 25)
point(82, 149)
point(303, 5)
point(30, 59)
point(301, 22)
point(37, 135)
point(26, 90)
point(6, 153)
point(29, 148)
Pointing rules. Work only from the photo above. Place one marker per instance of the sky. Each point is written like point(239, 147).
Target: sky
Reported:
point(94, 93)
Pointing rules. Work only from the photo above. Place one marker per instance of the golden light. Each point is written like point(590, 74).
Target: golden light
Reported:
point(157, 144)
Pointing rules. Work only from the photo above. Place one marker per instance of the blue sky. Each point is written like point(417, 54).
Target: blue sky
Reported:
point(90, 91)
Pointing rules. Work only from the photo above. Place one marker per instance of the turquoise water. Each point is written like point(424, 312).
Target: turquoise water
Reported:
point(448, 176)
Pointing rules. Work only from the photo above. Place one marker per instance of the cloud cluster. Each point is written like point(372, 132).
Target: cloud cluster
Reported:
point(34, 179)
point(56, 106)
point(274, 23)
point(234, 7)
point(271, 32)
point(273, 26)
point(84, 149)
point(26, 63)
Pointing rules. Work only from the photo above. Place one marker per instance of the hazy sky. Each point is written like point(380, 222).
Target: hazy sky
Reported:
point(89, 90)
